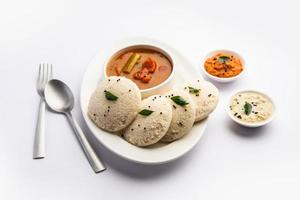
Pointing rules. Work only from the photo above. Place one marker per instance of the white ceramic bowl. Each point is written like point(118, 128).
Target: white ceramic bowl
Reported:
point(247, 124)
point(158, 89)
point(218, 79)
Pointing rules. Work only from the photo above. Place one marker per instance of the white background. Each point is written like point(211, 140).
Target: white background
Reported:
point(230, 162)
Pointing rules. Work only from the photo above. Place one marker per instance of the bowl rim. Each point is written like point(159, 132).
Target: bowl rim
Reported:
point(117, 49)
point(248, 124)
point(223, 79)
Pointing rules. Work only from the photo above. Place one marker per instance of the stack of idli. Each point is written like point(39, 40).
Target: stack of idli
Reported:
point(117, 106)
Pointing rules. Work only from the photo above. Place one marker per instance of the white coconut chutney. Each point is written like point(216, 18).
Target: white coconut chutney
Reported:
point(251, 107)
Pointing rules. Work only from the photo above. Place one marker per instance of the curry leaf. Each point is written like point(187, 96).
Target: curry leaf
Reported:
point(247, 108)
point(223, 59)
point(110, 96)
point(146, 112)
point(179, 100)
point(193, 90)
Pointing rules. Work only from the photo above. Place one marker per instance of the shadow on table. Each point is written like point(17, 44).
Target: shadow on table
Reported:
point(128, 168)
point(229, 86)
point(246, 132)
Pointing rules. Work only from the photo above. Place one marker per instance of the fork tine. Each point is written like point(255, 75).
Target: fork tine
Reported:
point(39, 74)
point(47, 74)
point(43, 73)
point(51, 72)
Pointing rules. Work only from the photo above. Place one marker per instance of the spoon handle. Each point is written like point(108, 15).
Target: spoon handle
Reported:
point(95, 162)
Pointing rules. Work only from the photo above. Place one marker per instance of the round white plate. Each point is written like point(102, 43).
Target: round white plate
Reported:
point(156, 154)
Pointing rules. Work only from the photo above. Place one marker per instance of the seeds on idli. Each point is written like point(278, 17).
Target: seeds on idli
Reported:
point(152, 122)
point(183, 115)
point(205, 96)
point(114, 104)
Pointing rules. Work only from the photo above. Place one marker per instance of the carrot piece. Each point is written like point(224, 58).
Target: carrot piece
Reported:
point(140, 74)
point(150, 65)
point(146, 78)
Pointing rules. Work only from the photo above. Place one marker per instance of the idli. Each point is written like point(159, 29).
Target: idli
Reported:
point(205, 97)
point(183, 115)
point(152, 122)
point(114, 104)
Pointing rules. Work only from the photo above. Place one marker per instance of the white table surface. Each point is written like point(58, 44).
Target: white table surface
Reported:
point(230, 162)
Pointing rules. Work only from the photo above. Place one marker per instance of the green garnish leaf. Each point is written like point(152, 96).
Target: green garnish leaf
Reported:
point(179, 100)
point(247, 108)
point(194, 90)
point(110, 96)
point(146, 112)
point(223, 59)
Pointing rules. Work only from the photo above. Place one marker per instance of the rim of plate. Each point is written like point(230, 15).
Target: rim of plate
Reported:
point(175, 149)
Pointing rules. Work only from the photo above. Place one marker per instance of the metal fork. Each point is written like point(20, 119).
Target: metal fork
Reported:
point(45, 74)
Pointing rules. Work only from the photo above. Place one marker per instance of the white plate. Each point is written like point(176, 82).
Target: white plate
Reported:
point(159, 153)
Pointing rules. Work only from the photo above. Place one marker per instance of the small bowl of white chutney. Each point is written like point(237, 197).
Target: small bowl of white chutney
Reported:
point(251, 108)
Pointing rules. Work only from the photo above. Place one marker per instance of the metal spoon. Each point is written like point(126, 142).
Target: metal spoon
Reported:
point(59, 98)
